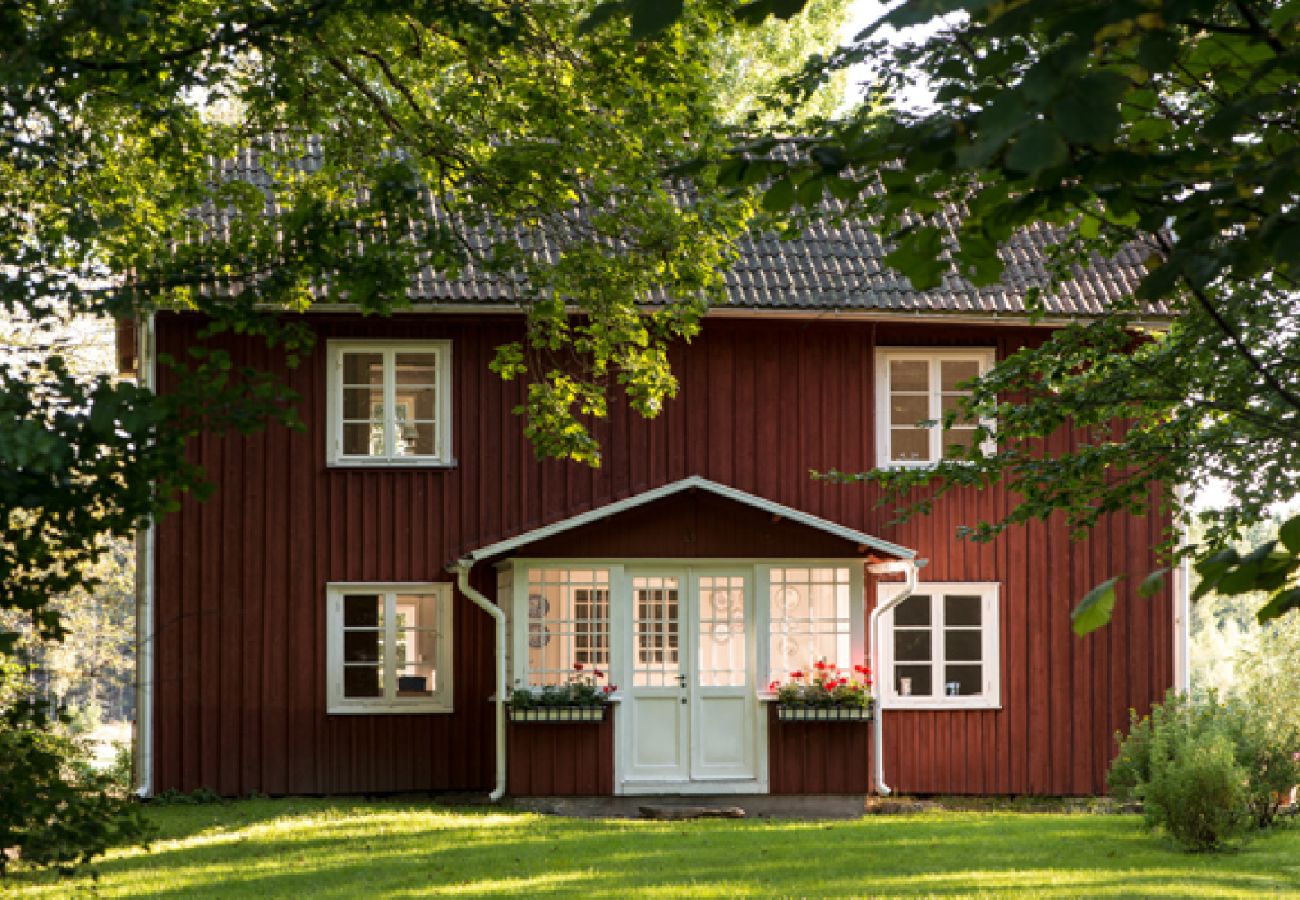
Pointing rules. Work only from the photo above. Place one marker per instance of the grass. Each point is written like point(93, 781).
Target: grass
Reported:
point(341, 848)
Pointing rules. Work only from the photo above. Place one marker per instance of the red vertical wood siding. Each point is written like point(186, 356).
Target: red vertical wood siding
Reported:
point(241, 577)
point(817, 757)
point(551, 759)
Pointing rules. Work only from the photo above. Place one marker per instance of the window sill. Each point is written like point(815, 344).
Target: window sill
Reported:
point(391, 464)
point(408, 709)
point(938, 705)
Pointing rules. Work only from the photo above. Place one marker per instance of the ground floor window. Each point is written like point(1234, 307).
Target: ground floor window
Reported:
point(939, 647)
point(567, 623)
point(389, 648)
point(811, 618)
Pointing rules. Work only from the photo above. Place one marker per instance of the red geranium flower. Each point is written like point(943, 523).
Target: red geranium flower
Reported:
point(796, 674)
point(597, 673)
point(819, 665)
point(577, 666)
point(609, 688)
point(774, 685)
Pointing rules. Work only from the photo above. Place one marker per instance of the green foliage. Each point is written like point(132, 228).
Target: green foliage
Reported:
point(54, 809)
point(581, 688)
point(1206, 771)
point(1157, 129)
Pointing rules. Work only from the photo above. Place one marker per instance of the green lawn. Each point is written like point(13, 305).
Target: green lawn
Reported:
point(337, 848)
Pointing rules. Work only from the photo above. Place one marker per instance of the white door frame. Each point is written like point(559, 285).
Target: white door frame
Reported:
point(695, 782)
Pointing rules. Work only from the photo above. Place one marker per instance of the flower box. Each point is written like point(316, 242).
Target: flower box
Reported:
point(558, 713)
point(786, 713)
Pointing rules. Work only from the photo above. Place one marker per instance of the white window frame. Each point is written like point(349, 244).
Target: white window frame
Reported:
point(984, 356)
point(336, 703)
point(334, 455)
point(855, 633)
point(990, 629)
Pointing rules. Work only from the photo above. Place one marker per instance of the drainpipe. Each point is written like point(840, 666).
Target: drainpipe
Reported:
point(910, 568)
point(462, 569)
point(144, 596)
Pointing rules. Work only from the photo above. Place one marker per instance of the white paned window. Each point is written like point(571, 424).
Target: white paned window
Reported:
point(939, 647)
point(568, 623)
point(915, 386)
point(811, 619)
point(389, 403)
point(388, 648)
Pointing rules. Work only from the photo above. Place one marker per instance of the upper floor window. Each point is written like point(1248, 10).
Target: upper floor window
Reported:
point(388, 648)
point(939, 647)
point(919, 385)
point(389, 402)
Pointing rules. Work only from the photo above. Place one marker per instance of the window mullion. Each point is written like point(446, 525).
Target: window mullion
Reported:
point(390, 646)
point(390, 403)
point(936, 408)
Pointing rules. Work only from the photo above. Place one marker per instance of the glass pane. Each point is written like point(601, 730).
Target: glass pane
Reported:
point(952, 403)
point(416, 404)
point(363, 403)
point(363, 368)
point(909, 444)
point(909, 375)
point(417, 368)
point(363, 438)
point(954, 372)
point(962, 645)
point(914, 611)
point(655, 632)
point(963, 681)
point(363, 681)
point(957, 440)
point(908, 410)
point(415, 439)
point(568, 624)
point(363, 611)
point(913, 681)
point(363, 646)
point(912, 646)
point(962, 611)
point(722, 631)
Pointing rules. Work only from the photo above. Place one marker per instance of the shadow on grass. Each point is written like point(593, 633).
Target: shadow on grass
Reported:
point(344, 847)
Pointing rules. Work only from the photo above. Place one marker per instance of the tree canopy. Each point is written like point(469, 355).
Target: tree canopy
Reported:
point(1168, 127)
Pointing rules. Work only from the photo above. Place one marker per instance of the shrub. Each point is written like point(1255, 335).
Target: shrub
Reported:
point(55, 809)
point(1205, 770)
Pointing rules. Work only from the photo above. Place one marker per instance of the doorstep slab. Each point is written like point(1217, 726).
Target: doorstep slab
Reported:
point(676, 806)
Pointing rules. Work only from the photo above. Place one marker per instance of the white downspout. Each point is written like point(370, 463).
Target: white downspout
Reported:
point(462, 570)
point(910, 569)
point(144, 597)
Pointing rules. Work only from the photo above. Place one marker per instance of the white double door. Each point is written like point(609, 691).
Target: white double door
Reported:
point(690, 713)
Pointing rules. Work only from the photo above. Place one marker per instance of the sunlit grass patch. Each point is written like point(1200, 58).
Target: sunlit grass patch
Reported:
point(341, 848)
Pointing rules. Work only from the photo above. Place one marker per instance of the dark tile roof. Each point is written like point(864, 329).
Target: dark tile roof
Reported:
point(833, 265)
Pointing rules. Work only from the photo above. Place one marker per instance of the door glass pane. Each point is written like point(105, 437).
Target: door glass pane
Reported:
point(722, 631)
point(913, 681)
point(963, 681)
point(656, 614)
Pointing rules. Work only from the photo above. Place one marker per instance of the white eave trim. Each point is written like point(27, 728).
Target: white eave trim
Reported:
point(694, 482)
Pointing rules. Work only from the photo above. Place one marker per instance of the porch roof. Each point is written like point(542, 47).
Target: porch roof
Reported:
point(694, 482)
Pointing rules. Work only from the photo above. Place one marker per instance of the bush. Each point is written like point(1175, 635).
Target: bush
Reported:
point(1204, 770)
point(55, 809)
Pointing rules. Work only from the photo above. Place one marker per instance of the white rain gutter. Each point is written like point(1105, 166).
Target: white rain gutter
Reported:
point(144, 597)
point(910, 568)
point(462, 569)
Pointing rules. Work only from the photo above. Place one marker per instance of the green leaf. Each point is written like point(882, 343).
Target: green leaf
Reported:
point(1289, 533)
point(917, 257)
point(1095, 609)
point(601, 14)
point(1279, 604)
point(649, 17)
point(1152, 584)
point(779, 197)
point(1038, 148)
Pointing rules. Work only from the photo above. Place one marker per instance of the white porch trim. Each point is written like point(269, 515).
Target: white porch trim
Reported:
point(694, 482)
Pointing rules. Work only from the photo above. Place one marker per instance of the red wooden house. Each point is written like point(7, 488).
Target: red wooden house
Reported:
point(336, 617)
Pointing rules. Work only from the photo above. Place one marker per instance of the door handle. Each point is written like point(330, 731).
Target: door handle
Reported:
point(681, 681)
